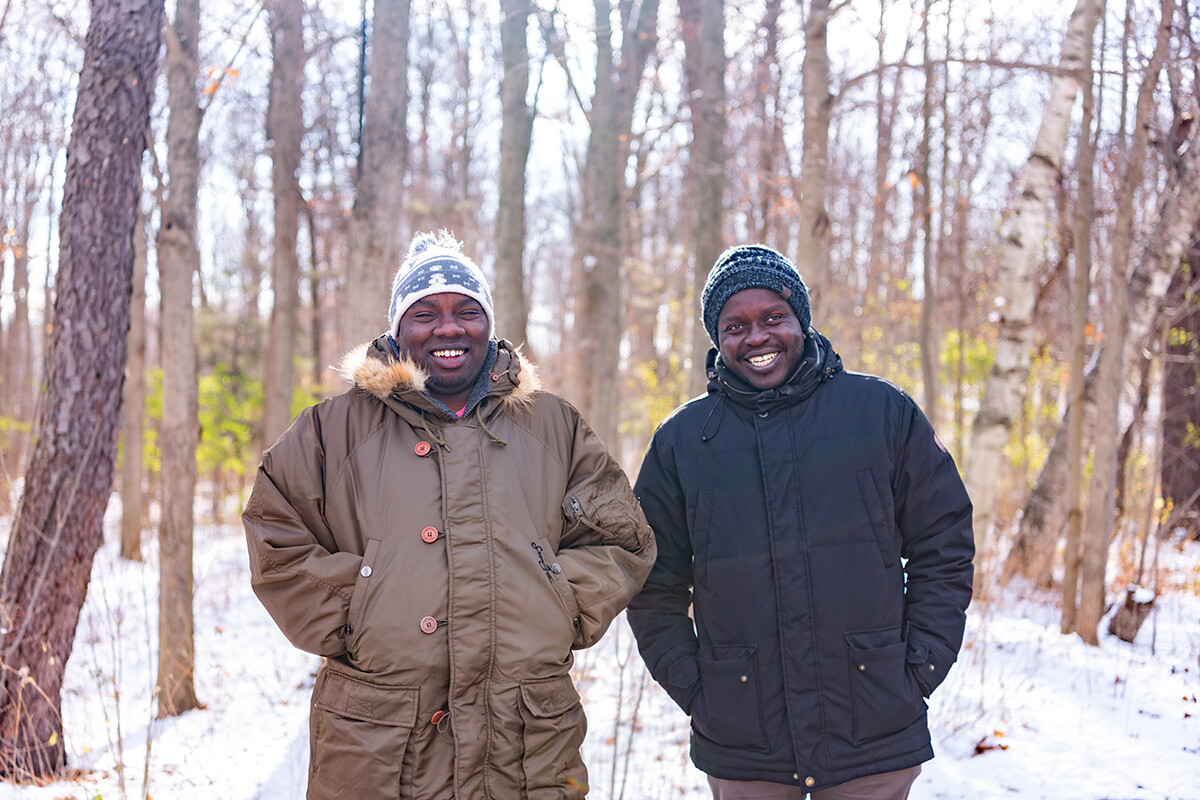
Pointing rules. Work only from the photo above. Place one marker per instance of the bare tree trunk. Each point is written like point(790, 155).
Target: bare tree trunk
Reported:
point(812, 246)
point(599, 321)
point(1000, 406)
point(1180, 469)
point(927, 336)
point(378, 203)
point(133, 405)
point(1085, 215)
point(284, 130)
point(516, 131)
point(178, 263)
point(16, 388)
point(1102, 488)
point(58, 525)
point(703, 24)
point(767, 100)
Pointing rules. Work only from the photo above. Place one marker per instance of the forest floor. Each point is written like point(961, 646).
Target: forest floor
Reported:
point(1027, 712)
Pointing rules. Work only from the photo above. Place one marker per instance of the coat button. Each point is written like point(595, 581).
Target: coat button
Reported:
point(809, 781)
point(422, 448)
point(745, 678)
point(430, 534)
point(365, 571)
point(862, 667)
point(555, 568)
point(437, 717)
point(428, 625)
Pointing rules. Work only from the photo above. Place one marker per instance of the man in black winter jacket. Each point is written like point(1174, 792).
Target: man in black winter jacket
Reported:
point(820, 535)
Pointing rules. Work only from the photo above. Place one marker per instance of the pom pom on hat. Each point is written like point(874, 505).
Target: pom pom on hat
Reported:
point(752, 267)
point(436, 264)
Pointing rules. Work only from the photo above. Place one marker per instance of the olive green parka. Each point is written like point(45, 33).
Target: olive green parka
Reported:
point(445, 568)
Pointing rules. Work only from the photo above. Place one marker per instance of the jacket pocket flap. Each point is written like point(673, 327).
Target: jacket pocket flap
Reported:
point(549, 697)
point(355, 698)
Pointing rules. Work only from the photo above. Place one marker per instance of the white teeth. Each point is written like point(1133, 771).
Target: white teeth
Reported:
point(763, 360)
point(448, 353)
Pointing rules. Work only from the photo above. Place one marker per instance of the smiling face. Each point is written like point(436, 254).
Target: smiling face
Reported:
point(760, 337)
point(447, 335)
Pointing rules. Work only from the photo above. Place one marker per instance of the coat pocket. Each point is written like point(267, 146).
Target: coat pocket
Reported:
point(558, 582)
point(873, 503)
point(883, 692)
point(362, 585)
point(728, 709)
point(553, 728)
point(358, 735)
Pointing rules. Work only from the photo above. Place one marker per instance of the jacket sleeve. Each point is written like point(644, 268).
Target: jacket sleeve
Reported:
point(659, 615)
point(295, 568)
point(933, 513)
point(605, 548)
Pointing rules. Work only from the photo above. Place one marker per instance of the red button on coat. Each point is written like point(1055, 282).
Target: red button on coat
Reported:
point(422, 448)
point(430, 534)
point(437, 717)
point(428, 625)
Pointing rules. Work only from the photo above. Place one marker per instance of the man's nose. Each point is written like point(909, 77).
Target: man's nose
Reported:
point(448, 324)
point(758, 335)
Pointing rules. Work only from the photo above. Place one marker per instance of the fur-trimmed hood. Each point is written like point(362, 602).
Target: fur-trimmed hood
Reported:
point(374, 368)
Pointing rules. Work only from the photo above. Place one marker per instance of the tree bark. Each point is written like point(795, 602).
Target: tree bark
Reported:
point(1181, 402)
point(516, 131)
point(133, 405)
point(58, 526)
point(1085, 214)
point(1000, 406)
point(178, 263)
point(374, 243)
point(285, 127)
point(1164, 241)
point(703, 23)
point(927, 336)
point(812, 246)
point(598, 323)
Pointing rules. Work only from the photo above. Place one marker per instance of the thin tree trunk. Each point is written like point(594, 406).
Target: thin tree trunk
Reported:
point(1102, 488)
point(927, 336)
point(1180, 470)
point(516, 131)
point(17, 385)
point(703, 24)
point(1085, 215)
point(178, 263)
point(284, 130)
point(1000, 406)
point(133, 405)
point(58, 525)
point(598, 323)
point(373, 238)
point(767, 100)
point(812, 246)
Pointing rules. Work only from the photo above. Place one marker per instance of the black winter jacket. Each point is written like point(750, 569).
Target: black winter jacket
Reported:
point(821, 536)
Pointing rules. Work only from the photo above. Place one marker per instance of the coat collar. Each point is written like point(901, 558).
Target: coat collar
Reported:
point(819, 364)
point(390, 376)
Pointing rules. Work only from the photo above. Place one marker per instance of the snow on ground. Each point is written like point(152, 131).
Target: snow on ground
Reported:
point(1052, 717)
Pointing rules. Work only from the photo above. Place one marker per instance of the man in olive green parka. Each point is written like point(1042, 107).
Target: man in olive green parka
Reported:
point(444, 534)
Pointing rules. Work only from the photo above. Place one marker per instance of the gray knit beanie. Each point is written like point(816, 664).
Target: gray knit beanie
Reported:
point(437, 264)
point(752, 266)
